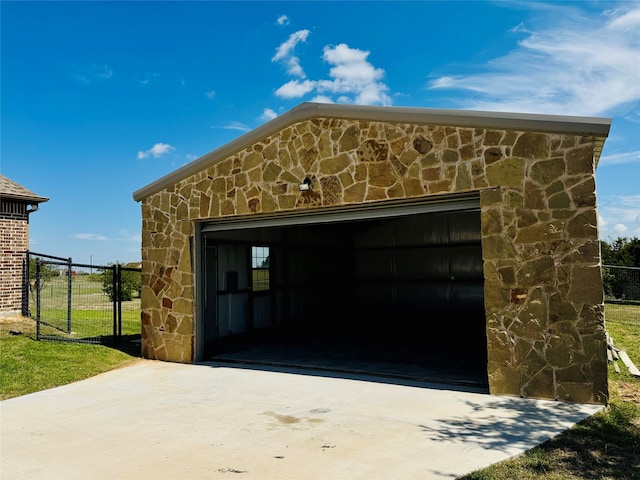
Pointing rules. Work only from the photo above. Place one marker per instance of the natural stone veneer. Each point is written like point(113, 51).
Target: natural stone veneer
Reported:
point(543, 290)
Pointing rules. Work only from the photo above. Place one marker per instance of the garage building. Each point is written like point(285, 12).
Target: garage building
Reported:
point(450, 245)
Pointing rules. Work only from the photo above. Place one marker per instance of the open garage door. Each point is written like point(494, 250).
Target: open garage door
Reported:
point(394, 289)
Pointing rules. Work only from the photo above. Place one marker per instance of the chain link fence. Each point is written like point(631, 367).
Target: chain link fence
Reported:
point(80, 303)
point(622, 294)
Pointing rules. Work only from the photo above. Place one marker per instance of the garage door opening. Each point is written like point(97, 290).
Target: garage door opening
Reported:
point(398, 295)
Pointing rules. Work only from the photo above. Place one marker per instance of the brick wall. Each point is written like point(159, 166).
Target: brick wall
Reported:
point(14, 241)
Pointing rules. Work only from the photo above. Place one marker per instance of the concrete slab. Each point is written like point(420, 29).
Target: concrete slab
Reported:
point(213, 421)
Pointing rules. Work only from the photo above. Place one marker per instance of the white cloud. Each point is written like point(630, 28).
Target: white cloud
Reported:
point(268, 114)
point(285, 53)
point(322, 99)
point(92, 73)
point(576, 65)
point(625, 20)
point(148, 77)
point(210, 94)
point(443, 82)
point(343, 55)
point(623, 213)
point(618, 158)
point(233, 125)
point(283, 20)
point(103, 71)
point(90, 236)
point(351, 77)
point(295, 89)
point(127, 236)
point(620, 229)
point(236, 126)
point(156, 151)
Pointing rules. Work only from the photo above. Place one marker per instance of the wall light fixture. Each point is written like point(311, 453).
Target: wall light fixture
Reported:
point(305, 185)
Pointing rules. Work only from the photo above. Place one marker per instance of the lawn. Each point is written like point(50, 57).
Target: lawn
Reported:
point(28, 365)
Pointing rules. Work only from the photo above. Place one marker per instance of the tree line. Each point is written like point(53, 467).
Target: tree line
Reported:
point(621, 283)
point(622, 252)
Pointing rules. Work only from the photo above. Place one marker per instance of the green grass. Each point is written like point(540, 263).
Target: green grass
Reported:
point(87, 323)
point(27, 365)
point(622, 313)
point(58, 286)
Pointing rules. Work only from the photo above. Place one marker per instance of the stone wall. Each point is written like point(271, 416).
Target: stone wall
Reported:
point(543, 290)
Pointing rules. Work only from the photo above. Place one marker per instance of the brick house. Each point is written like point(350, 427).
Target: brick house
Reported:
point(456, 233)
point(16, 204)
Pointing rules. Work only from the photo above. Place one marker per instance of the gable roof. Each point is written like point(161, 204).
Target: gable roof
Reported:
point(14, 191)
point(561, 124)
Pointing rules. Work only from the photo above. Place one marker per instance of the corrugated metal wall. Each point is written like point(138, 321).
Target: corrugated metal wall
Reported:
point(422, 261)
point(375, 276)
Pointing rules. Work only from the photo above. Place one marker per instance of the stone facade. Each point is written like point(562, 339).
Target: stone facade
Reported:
point(543, 289)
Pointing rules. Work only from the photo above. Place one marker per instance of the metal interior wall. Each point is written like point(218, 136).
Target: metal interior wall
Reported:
point(406, 290)
point(390, 273)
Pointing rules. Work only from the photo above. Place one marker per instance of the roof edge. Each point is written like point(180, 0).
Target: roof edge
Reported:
point(598, 127)
point(459, 118)
point(31, 199)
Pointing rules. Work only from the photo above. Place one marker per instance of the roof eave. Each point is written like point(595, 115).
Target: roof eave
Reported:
point(24, 198)
point(592, 126)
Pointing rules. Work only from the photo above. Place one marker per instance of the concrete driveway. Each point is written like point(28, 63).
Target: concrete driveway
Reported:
point(160, 420)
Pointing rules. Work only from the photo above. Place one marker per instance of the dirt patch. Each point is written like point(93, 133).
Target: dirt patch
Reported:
point(629, 391)
point(15, 324)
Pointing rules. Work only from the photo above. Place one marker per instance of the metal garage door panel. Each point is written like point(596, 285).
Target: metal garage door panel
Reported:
point(462, 262)
point(444, 203)
point(464, 227)
point(433, 229)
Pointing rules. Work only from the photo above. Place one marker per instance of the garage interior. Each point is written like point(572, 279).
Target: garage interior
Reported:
point(395, 293)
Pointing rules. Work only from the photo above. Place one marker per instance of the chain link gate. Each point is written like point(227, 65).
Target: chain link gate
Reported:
point(75, 302)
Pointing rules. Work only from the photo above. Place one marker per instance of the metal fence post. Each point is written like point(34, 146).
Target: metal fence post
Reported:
point(69, 291)
point(114, 289)
point(119, 301)
point(37, 285)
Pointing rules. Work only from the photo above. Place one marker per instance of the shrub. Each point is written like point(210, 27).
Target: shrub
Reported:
point(131, 284)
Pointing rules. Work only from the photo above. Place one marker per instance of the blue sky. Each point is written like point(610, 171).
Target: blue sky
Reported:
point(98, 99)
